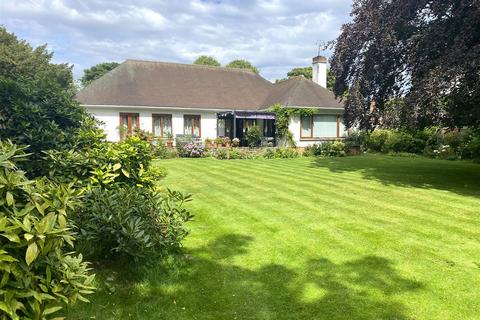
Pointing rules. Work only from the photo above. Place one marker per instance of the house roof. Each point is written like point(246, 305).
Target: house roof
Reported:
point(162, 84)
point(301, 92)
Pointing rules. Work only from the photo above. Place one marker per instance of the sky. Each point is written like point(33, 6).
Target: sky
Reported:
point(275, 35)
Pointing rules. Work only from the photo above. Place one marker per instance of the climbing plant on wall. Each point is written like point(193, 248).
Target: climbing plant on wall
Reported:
point(282, 120)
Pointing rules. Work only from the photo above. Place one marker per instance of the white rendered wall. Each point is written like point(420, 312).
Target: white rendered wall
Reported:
point(111, 120)
point(294, 128)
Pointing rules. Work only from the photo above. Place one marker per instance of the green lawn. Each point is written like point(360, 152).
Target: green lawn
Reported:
point(367, 237)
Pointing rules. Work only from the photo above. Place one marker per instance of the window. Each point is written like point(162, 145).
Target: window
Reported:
point(319, 126)
point(268, 128)
point(162, 125)
point(128, 121)
point(191, 125)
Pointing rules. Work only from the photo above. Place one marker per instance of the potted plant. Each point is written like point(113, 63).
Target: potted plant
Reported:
point(169, 141)
point(235, 142)
point(218, 142)
point(226, 142)
point(208, 142)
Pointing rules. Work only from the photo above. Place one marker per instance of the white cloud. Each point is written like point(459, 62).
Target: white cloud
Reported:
point(275, 35)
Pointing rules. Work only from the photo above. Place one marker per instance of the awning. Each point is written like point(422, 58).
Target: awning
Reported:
point(247, 115)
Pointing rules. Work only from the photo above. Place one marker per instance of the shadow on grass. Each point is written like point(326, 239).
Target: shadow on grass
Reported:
point(460, 177)
point(211, 286)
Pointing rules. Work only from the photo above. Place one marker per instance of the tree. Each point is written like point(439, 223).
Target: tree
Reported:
point(242, 64)
point(96, 72)
point(37, 106)
point(207, 61)
point(305, 72)
point(330, 79)
point(416, 60)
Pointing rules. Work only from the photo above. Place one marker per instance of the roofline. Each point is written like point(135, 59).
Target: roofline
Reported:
point(153, 107)
point(263, 109)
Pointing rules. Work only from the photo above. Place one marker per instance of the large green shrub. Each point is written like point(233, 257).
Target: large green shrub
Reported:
point(401, 141)
point(127, 162)
point(377, 139)
point(131, 222)
point(38, 274)
point(472, 148)
point(37, 105)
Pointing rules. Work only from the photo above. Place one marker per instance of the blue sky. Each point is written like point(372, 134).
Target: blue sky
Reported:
point(275, 35)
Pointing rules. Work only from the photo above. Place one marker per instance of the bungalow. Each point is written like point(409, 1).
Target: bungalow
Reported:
point(172, 99)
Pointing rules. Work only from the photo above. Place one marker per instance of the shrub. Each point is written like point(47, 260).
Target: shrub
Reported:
point(221, 154)
point(39, 276)
point(238, 154)
point(37, 105)
point(400, 141)
point(333, 149)
point(193, 150)
point(269, 153)
point(160, 151)
point(376, 140)
point(130, 222)
point(127, 162)
point(253, 136)
point(445, 152)
point(472, 149)
point(286, 153)
point(313, 150)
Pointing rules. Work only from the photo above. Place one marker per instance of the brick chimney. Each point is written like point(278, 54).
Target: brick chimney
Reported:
point(319, 74)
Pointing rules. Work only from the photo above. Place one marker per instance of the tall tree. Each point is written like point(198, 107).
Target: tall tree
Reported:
point(207, 61)
point(37, 106)
point(242, 64)
point(417, 58)
point(96, 71)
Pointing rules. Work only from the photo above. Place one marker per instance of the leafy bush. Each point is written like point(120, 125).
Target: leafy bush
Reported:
point(235, 142)
point(445, 152)
point(238, 154)
point(286, 153)
point(131, 222)
point(269, 153)
point(472, 149)
point(221, 154)
point(326, 149)
point(192, 150)
point(400, 141)
point(160, 151)
point(333, 149)
point(37, 105)
point(313, 150)
point(377, 139)
point(39, 277)
point(253, 136)
point(127, 162)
